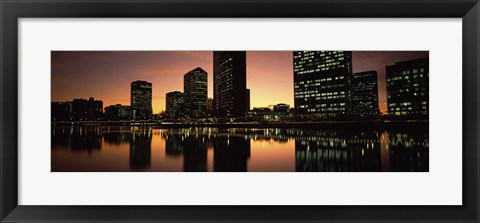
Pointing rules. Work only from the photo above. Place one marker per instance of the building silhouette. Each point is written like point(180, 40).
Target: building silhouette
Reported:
point(77, 110)
point(209, 104)
point(61, 111)
point(282, 107)
point(321, 83)
point(86, 110)
point(365, 93)
point(141, 100)
point(407, 88)
point(118, 112)
point(280, 113)
point(210, 111)
point(195, 93)
point(230, 83)
point(247, 95)
point(175, 105)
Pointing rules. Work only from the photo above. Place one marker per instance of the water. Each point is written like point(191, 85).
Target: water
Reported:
point(125, 149)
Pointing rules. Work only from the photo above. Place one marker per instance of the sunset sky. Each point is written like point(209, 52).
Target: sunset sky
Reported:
point(107, 75)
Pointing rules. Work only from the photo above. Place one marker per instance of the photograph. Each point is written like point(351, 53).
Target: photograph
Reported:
point(239, 111)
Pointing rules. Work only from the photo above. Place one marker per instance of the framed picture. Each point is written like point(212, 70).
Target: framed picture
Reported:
point(230, 111)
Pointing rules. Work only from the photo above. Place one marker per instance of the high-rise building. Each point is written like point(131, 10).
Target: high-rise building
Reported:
point(195, 93)
point(175, 105)
point(141, 100)
point(365, 93)
point(322, 83)
point(86, 110)
point(230, 83)
point(407, 88)
point(118, 112)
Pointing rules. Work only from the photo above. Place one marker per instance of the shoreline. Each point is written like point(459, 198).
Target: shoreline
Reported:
point(409, 124)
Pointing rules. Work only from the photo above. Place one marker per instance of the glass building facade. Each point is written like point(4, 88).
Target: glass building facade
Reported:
point(230, 83)
point(407, 88)
point(195, 93)
point(322, 83)
point(141, 100)
point(365, 93)
point(175, 105)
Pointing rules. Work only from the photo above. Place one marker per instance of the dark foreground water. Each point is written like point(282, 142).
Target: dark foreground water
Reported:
point(124, 149)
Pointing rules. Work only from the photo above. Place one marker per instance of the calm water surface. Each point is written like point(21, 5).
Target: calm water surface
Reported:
point(124, 149)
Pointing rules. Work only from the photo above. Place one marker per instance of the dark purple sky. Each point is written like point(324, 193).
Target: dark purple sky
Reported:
point(377, 60)
point(106, 75)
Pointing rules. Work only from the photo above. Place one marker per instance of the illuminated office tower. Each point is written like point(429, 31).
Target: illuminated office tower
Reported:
point(175, 105)
point(141, 100)
point(322, 83)
point(407, 88)
point(195, 93)
point(365, 93)
point(230, 83)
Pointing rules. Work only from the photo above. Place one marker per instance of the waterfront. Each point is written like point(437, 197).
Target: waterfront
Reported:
point(126, 148)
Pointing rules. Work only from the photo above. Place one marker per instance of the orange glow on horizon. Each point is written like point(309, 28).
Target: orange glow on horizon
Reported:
point(106, 75)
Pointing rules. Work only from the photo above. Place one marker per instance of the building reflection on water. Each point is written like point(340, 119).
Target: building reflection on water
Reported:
point(140, 148)
point(232, 150)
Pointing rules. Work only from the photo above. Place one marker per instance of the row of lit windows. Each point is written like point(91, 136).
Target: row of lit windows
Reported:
point(326, 109)
point(309, 93)
point(321, 98)
point(330, 105)
point(301, 71)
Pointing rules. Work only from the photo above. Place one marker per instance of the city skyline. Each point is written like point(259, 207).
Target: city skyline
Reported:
point(107, 75)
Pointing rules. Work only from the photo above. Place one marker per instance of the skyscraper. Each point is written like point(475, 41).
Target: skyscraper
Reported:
point(141, 100)
point(365, 93)
point(230, 83)
point(407, 88)
point(195, 93)
point(175, 105)
point(322, 83)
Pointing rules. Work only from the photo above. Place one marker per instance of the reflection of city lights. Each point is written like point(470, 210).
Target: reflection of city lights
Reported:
point(313, 150)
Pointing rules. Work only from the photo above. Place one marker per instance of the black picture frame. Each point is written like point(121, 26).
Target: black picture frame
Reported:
point(11, 11)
